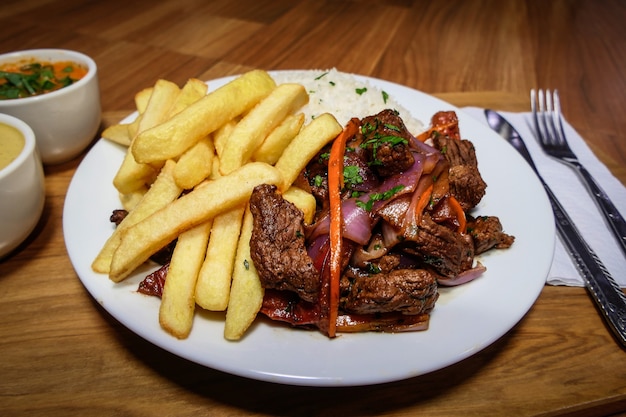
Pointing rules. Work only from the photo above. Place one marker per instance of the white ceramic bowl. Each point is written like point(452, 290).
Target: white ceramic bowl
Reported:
point(22, 190)
point(65, 121)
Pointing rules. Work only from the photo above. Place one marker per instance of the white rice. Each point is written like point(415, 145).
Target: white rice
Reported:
point(343, 96)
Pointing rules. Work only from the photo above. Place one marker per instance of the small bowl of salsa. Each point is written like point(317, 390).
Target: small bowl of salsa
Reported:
point(56, 92)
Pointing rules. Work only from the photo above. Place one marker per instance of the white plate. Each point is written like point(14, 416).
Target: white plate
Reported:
point(465, 320)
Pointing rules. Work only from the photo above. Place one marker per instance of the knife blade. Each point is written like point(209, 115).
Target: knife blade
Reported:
point(606, 293)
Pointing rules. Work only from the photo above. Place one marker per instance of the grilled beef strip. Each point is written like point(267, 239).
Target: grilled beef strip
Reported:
point(386, 138)
point(466, 183)
point(277, 245)
point(385, 287)
point(487, 233)
point(447, 252)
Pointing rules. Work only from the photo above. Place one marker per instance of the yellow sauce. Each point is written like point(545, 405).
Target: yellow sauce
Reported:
point(11, 144)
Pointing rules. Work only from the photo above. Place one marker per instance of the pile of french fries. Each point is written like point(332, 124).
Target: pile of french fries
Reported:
point(216, 146)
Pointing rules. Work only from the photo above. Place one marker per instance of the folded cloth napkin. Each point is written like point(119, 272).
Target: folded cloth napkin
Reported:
point(571, 192)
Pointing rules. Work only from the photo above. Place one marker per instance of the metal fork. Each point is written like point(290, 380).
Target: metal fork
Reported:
point(549, 129)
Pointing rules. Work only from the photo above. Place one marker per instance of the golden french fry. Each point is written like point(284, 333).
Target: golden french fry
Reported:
point(195, 164)
point(179, 133)
point(254, 127)
point(311, 139)
point(177, 301)
point(129, 201)
point(118, 134)
point(143, 239)
point(221, 135)
point(246, 294)
point(303, 200)
point(164, 94)
point(133, 127)
point(214, 279)
point(142, 98)
point(132, 175)
point(192, 91)
point(162, 192)
point(215, 171)
point(275, 143)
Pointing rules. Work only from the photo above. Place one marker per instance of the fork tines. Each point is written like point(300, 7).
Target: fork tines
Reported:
point(547, 115)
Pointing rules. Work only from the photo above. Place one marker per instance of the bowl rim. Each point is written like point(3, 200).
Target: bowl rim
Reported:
point(29, 143)
point(46, 54)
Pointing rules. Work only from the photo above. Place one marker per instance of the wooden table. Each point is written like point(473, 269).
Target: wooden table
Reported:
point(62, 354)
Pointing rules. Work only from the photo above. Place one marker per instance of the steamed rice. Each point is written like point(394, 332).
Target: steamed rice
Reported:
point(343, 96)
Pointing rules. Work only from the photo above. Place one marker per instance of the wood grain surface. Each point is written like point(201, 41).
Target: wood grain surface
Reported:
point(62, 354)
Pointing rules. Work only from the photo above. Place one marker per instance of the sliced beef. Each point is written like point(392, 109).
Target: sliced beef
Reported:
point(447, 252)
point(409, 291)
point(277, 246)
point(466, 183)
point(315, 177)
point(387, 140)
point(486, 231)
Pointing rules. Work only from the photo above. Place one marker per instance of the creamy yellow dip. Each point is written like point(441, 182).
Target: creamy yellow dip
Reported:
point(11, 144)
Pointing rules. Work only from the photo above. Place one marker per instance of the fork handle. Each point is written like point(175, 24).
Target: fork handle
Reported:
point(612, 215)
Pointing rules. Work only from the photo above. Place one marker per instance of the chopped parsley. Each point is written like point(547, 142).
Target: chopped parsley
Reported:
point(318, 180)
point(374, 197)
point(361, 91)
point(378, 140)
point(351, 175)
point(36, 78)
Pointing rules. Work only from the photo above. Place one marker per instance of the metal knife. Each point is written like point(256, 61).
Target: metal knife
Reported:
point(604, 290)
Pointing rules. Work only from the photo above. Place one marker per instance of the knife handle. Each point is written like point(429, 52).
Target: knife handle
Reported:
point(605, 291)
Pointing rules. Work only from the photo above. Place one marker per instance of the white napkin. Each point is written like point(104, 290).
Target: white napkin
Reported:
point(571, 192)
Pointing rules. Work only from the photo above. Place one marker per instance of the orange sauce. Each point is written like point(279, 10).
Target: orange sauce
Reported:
point(42, 76)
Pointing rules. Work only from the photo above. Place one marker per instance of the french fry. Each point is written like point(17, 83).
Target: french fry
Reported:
point(118, 134)
point(221, 135)
point(129, 201)
point(311, 139)
point(143, 239)
point(142, 98)
point(133, 175)
point(214, 279)
point(192, 91)
point(246, 294)
point(195, 164)
point(133, 127)
point(163, 191)
point(177, 301)
point(254, 127)
point(164, 94)
point(176, 135)
point(275, 143)
point(302, 200)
